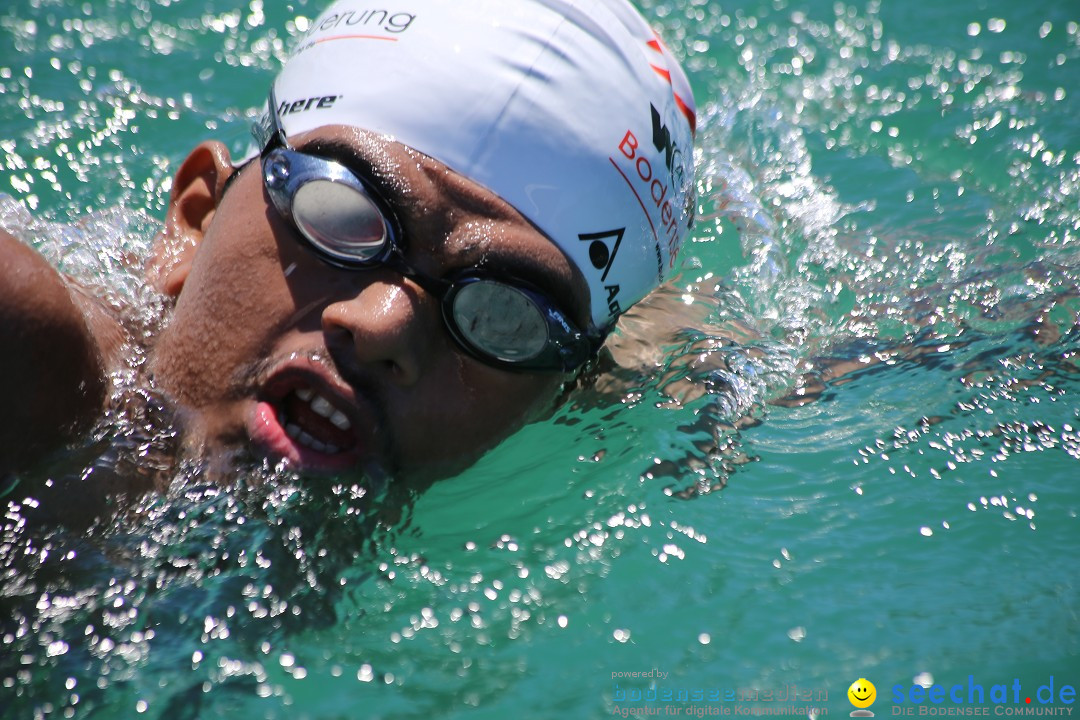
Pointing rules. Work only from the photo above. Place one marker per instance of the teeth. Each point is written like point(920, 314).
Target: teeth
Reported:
point(305, 439)
point(322, 406)
point(327, 448)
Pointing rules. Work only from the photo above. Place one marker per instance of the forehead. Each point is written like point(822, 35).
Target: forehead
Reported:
point(448, 219)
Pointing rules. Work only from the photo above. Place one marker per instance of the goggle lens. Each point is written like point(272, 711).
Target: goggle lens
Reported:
point(340, 220)
point(499, 320)
point(329, 205)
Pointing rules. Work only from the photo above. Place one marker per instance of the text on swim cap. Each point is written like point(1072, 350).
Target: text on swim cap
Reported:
point(365, 21)
point(614, 309)
point(396, 23)
point(323, 102)
point(657, 191)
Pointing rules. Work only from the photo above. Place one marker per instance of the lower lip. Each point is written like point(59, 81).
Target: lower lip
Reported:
point(266, 432)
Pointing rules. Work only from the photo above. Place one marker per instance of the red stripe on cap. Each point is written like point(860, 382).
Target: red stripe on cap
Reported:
point(655, 45)
point(354, 37)
point(688, 112)
point(662, 73)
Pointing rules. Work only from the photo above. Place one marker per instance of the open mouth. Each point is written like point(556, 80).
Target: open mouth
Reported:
point(302, 417)
point(314, 422)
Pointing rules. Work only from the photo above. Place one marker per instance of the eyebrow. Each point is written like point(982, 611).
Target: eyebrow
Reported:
point(347, 155)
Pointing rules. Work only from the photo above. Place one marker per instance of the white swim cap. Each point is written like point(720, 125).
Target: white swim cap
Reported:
point(572, 111)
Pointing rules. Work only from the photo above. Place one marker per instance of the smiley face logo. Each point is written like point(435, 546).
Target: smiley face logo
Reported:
point(862, 694)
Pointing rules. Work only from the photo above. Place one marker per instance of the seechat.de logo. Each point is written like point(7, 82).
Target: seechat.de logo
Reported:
point(978, 698)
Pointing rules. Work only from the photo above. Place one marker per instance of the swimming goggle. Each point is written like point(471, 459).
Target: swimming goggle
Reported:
point(499, 320)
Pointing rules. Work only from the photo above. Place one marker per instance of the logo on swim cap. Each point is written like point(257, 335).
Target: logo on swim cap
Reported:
point(601, 253)
point(571, 110)
point(603, 247)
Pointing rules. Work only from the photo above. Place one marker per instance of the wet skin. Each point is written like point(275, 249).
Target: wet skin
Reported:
point(260, 324)
point(57, 344)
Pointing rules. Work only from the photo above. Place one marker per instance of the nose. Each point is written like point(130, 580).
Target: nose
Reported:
point(389, 328)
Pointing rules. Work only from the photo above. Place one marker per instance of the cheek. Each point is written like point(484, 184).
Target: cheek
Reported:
point(510, 402)
point(225, 316)
point(463, 417)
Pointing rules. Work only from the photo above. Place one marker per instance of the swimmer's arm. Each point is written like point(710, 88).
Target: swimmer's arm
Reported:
point(56, 346)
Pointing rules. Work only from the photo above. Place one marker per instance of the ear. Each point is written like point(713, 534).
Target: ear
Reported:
point(197, 190)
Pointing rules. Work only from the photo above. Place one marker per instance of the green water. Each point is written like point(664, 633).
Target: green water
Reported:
point(898, 179)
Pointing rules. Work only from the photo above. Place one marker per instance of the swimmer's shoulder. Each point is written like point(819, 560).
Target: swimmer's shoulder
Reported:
point(57, 345)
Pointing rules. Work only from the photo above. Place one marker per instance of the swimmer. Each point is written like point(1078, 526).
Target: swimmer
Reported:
point(446, 209)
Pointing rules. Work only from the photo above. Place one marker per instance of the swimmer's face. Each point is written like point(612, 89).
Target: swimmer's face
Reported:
point(270, 351)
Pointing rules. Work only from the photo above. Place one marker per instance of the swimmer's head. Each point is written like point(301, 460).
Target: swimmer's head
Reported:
point(573, 111)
